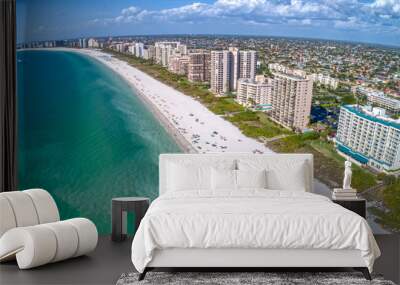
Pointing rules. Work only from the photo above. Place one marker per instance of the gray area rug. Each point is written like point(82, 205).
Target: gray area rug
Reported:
point(229, 278)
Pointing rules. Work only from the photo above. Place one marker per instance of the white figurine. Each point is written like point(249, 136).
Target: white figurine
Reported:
point(347, 175)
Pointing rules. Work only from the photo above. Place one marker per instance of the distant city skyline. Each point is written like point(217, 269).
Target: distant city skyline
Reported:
point(371, 21)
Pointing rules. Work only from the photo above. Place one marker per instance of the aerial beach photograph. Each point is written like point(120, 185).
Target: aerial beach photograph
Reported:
point(170, 79)
point(105, 90)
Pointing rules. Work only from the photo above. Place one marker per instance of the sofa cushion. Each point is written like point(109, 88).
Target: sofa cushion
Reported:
point(67, 239)
point(24, 209)
point(7, 220)
point(45, 205)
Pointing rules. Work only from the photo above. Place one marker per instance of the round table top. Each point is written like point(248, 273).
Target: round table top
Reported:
point(130, 199)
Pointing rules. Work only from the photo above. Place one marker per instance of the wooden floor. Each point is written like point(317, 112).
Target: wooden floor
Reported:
point(110, 260)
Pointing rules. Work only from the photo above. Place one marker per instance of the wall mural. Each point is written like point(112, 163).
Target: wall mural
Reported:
point(105, 87)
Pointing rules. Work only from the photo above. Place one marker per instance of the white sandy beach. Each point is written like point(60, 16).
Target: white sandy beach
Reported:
point(187, 119)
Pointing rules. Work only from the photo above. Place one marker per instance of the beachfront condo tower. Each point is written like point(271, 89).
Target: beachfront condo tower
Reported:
point(83, 43)
point(149, 53)
point(178, 64)
point(199, 66)
point(247, 64)
point(244, 65)
point(234, 68)
point(369, 137)
point(291, 100)
point(252, 93)
point(221, 62)
point(228, 66)
point(163, 50)
point(139, 47)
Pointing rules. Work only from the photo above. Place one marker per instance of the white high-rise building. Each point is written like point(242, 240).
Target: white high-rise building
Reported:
point(121, 47)
point(232, 65)
point(163, 50)
point(182, 49)
point(93, 43)
point(220, 66)
point(235, 68)
point(252, 93)
point(83, 43)
point(166, 52)
point(368, 136)
point(131, 49)
point(139, 47)
point(149, 53)
point(247, 64)
point(244, 65)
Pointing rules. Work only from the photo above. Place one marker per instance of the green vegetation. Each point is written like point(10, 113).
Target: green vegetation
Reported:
point(327, 97)
point(391, 200)
point(327, 149)
point(223, 105)
point(244, 116)
point(349, 99)
point(362, 179)
point(294, 143)
point(263, 69)
point(395, 116)
point(345, 75)
point(256, 125)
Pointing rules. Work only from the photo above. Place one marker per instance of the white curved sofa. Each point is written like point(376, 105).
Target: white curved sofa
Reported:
point(31, 231)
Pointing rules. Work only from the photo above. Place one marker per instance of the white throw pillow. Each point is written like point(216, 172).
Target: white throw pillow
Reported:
point(186, 178)
point(253, 179)
point(282, 174)
point(292, 177)
point(223, 179)
point(194, 174)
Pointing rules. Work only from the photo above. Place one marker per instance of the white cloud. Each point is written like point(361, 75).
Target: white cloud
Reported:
point(390, 6)
point(342, 14)
point(129, 11)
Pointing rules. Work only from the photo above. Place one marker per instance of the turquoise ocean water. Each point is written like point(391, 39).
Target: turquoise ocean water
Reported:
point(83, 135)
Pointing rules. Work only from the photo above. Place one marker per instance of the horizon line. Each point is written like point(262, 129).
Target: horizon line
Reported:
point(397, 46)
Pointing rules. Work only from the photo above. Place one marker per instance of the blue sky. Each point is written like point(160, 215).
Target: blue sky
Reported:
point(375, 21)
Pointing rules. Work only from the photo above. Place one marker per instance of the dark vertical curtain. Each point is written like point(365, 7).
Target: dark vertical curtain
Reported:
point(8, 116)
